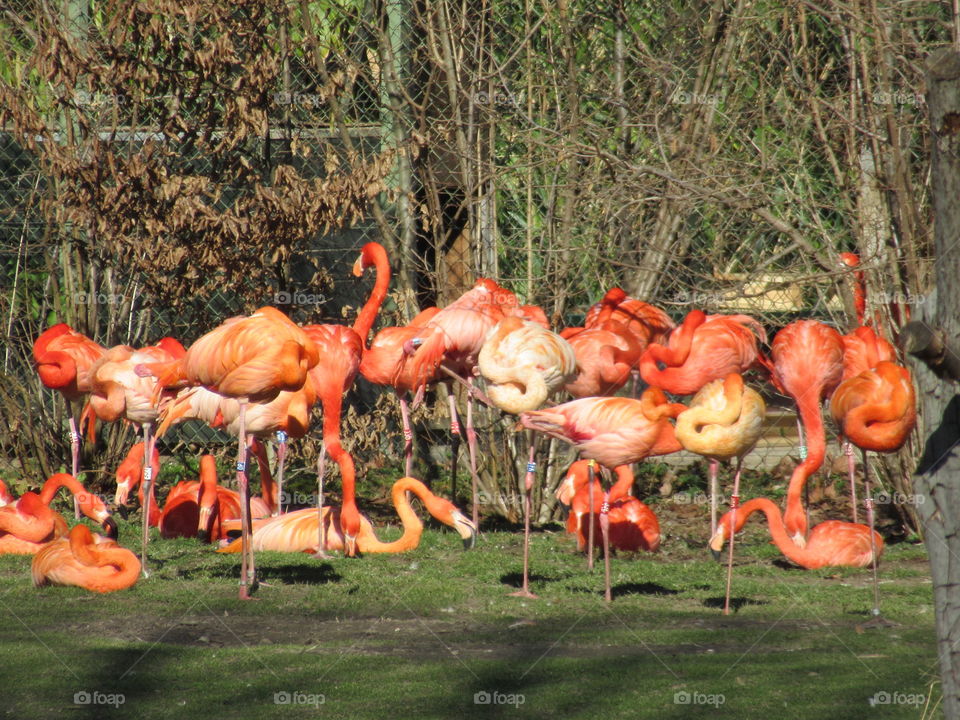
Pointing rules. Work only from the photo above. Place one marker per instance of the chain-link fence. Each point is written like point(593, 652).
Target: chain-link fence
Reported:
point(159, 174)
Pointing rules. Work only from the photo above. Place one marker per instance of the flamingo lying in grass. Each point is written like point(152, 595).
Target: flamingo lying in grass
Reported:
point(29, 523)
point(90, 561)
point(831, 543)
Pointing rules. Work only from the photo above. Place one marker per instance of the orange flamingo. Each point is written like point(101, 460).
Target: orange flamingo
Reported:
point(201, 507)
point(831, 543)
point(92, 562)
point(647, 323)
point(118, 392)
point(806, 364)
point(606, 352)
point(129, 474)
point(875, 410)
point(612, 430)
point(703, 348)
point(523, 363)
point(724, 421)
point(633, 526)
point(252, 359)
point(298, 531)
point(341, 350)
point(28, 523)
point(63, 358)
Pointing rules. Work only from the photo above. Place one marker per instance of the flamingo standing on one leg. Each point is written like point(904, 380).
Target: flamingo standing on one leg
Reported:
point(703, 348)
point(724, 421)
point(613, 431)
point(807, 364)
point(875, 410)
point(297, 531)
point(117, 392)
point(862, 350)
point(63, 358)
point(92, 562)
point(251, 359)
point(523, 363)
point(831, 543)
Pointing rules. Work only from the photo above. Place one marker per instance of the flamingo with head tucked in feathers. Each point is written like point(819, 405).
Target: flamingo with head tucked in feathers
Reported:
point(85, 560)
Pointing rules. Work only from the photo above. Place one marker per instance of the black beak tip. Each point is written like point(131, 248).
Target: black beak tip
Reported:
point(716, 554)
point(110, 527)
point(470, 542)
point(203, 536)
point(121, 510)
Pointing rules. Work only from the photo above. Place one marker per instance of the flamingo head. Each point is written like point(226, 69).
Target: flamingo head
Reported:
point(465, 528)
point(717, 541)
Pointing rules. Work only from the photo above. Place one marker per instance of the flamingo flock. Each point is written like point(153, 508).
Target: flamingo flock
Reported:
point(260, 375)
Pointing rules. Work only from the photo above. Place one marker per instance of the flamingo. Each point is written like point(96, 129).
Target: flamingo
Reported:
point(703, 348)
point(251, 359)
point(806, 364)
point(118, 392)
point(92, 562)
point(862, 350)
point(647, 323)
point(26, 524)
point(831, 543)
point(523, 363)
point(63, 358)
point(875, 410)
point(633, 526)
point(199, 509)
point(297, 531)
point(606, 352)
point(129, 473)
point(724, 421)
point(613, 431)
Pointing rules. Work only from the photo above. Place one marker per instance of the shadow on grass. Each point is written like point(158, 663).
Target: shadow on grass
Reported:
point(735, 602)
point(319, 574)
point(516, 579)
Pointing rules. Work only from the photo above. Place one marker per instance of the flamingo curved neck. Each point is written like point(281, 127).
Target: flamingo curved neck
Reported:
point(411, 523)
point(367, 314)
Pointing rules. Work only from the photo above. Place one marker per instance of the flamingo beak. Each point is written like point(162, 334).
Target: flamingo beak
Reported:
point(716, 544)
point(466, 529)
point(110, 527)
point(350, 546)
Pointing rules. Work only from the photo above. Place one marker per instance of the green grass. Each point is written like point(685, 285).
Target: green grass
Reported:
point(422, 634)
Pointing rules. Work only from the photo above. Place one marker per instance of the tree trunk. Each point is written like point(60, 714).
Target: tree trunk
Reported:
point(937, 480)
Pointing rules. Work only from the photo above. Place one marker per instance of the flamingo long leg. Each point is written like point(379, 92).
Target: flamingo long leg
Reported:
point(868, 502)
point(407, 436)
point(591, 474)
point(851, 472)
point(714, 466)
point(605, 531)
point(734, 504)
point(281, 461)
point(148, 443)
point(528, 487)
point(472, 449)
point(248, 576)
point(74, 459)
point(321, 527)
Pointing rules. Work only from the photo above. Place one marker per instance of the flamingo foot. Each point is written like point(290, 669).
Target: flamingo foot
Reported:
point(524, 594)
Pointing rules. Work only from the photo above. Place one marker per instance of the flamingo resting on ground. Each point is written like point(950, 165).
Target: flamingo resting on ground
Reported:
point(297, 531)
point(831, 543)
point(27, 524)
point(90, 561)
point(633, 526)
